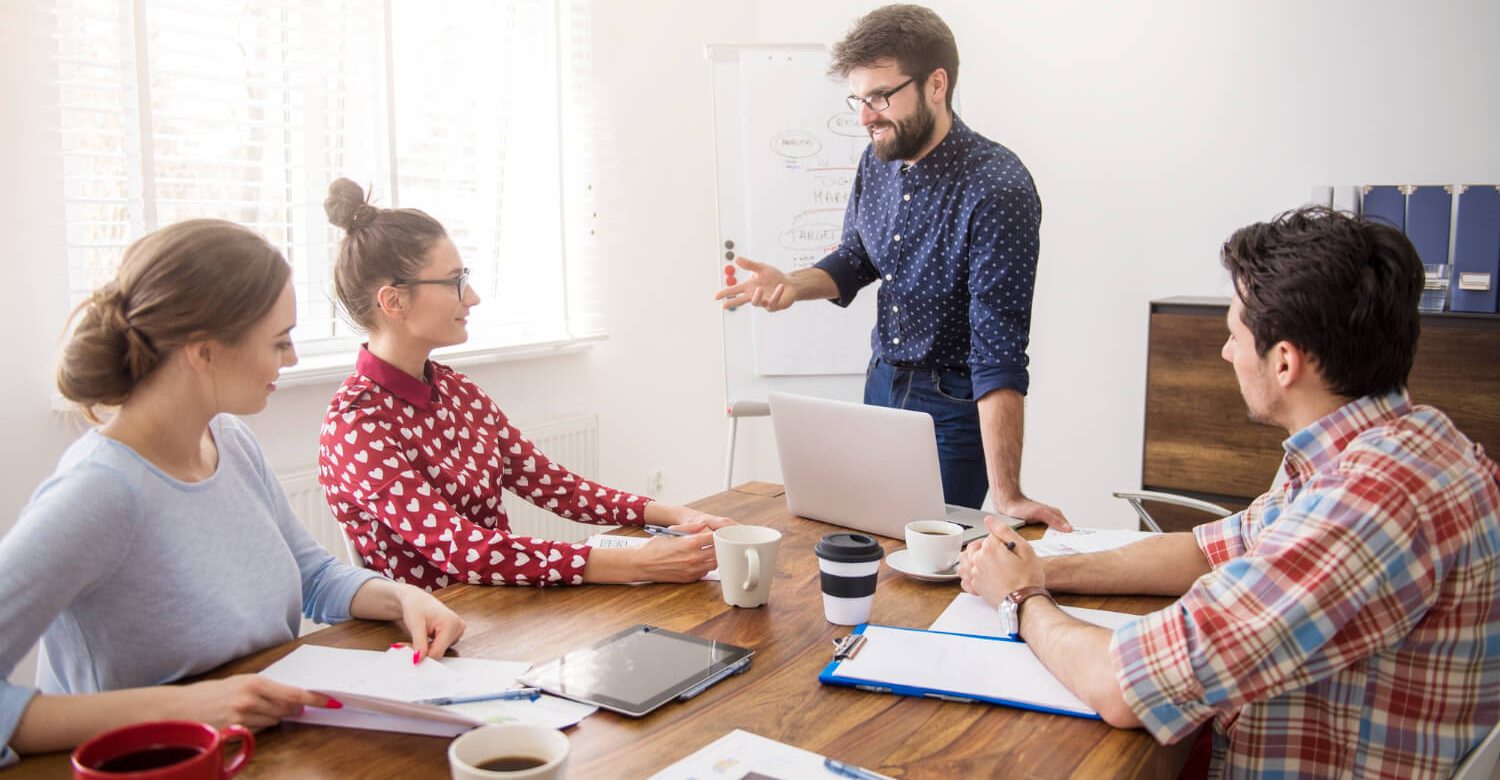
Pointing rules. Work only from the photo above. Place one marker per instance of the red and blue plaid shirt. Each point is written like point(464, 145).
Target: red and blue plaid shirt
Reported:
point(1351, 624)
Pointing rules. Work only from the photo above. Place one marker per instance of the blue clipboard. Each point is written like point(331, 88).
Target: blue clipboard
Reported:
point(848, 647)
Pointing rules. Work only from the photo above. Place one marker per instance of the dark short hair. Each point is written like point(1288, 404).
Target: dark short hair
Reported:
point(913, 36)
point(1343, 289)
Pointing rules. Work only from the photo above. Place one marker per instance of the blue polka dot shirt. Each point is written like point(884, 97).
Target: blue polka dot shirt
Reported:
point(953, 241)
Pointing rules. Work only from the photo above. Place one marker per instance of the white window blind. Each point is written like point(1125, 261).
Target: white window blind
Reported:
point(246, 110)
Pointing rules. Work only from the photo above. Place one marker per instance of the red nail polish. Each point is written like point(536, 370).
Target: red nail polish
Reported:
point(397, 645)
point(416, 658)
point(334, 704)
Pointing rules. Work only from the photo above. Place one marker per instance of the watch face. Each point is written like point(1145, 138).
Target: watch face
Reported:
point(1007, 612)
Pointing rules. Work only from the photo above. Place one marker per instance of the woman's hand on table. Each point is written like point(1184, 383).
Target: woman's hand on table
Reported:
point(432, 625)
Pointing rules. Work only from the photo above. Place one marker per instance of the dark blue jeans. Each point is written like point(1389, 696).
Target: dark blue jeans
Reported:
point(947, 395)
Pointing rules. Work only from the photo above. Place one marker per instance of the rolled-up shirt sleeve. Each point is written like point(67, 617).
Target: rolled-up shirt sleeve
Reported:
point(849, 264)
point(1321, 590)
point(14, 700)
point(1003, 245)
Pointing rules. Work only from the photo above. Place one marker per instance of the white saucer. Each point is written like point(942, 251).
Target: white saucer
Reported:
point(900, 560)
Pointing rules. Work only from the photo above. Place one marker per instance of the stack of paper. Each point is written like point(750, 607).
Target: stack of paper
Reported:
point(741, 754)
point(616, 542)
point(1085, 540)
point(969, 614)
point(380, 690)
point(913, 662)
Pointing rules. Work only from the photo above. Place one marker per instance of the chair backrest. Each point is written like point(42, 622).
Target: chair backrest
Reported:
point(1482, 762)
point(351, 552)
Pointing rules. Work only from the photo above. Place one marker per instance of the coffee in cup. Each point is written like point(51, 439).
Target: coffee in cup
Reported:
point(849, 564)
point(163, 750)
point(933, 545)
point(509, 751)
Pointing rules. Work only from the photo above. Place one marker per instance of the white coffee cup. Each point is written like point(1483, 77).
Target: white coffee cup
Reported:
point(747, 563)
point(933, 545)
point(471, 751)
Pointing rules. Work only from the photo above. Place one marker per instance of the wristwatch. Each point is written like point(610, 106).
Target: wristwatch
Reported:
point(1010, 608)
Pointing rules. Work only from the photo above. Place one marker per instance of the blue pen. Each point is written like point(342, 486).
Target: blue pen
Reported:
point(849, 770)
point(529, 694)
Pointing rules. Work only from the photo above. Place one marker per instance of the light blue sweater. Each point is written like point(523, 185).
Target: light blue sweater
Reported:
point(133, 578)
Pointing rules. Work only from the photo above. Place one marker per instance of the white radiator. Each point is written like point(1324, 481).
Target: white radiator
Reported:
point(573, 443)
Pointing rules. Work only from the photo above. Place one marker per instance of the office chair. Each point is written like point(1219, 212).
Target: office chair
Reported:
point(352, 551)
point(1136, 497)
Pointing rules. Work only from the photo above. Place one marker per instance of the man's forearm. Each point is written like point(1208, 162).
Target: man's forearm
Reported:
point(1077, 653)
point(1165, 565)
point(1002, 423)
point(813, 284)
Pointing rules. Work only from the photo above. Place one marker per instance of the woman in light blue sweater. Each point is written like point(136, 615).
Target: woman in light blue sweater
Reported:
point(163, 546)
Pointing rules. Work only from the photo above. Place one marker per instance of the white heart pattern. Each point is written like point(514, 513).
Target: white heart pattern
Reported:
point(359, 448)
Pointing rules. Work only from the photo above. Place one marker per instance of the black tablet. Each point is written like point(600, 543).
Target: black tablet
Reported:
point(639, 669)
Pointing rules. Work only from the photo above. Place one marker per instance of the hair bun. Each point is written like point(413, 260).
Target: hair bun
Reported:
point(347, 207)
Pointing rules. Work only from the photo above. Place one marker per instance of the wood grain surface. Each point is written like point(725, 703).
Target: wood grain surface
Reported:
point(778, 697)
point(1199, 440)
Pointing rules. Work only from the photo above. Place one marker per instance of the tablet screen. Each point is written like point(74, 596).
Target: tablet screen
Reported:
point(636, 670)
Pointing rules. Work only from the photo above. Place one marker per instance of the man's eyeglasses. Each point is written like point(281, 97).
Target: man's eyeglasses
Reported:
point(459, 283)
point(879, 101)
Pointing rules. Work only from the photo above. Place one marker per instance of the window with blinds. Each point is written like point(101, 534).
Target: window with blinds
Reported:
point(246, 109)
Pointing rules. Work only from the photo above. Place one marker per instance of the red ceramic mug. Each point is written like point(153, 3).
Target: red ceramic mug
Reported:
point(162, 750)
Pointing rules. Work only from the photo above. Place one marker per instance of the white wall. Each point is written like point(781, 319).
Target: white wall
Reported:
point(656, 384)
point(1151, 136)
point(1153, 130)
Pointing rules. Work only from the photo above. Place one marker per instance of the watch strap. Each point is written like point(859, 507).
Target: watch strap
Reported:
point(1019, 597)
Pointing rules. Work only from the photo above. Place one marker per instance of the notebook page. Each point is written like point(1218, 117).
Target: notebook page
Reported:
point(995, 669)
point(969, 614)
point(391, 674)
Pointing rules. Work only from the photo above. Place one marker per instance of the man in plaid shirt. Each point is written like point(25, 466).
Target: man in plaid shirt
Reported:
point(1346, 624)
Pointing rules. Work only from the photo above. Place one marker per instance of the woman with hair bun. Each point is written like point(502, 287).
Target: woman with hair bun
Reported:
point(163, 546)
point(413, 455)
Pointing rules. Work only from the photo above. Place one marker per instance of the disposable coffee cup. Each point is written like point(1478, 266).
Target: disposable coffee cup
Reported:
point(849, 564)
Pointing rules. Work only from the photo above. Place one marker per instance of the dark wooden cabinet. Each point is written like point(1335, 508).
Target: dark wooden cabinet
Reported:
point(1199, 442)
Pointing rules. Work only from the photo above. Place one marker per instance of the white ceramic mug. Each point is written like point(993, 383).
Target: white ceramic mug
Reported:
point(934, 544)
point(471, 751)
point(747, 563)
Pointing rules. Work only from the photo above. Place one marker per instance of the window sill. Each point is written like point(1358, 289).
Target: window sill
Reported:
point(318, 369)
point(332, 368)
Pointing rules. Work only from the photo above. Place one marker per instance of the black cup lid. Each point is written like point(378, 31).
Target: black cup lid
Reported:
point(849, 548)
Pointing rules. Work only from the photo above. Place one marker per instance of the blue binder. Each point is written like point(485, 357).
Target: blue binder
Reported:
point(1384, 204)
point(1476, 250)
point(1428, 214)
point(832, 675)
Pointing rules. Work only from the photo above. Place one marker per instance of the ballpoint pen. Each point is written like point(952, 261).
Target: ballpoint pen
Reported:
point(661, 530)
point(850, 770)
point(529, 694)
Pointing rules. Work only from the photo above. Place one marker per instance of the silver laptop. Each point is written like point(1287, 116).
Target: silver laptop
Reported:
point(871, 468)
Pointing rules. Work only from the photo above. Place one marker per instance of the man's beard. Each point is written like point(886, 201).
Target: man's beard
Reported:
point(906, 138)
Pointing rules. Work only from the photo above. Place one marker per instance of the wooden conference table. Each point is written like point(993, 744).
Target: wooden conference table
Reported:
point(778, 697)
